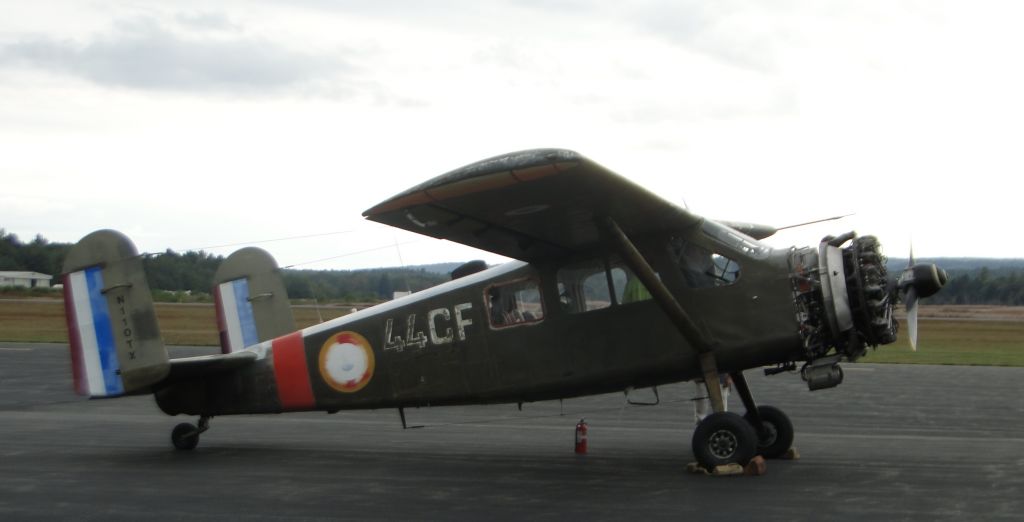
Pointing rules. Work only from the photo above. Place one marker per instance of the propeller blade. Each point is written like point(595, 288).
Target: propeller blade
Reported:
point(912, 317)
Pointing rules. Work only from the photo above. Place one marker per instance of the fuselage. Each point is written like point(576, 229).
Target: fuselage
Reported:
point(523, 332)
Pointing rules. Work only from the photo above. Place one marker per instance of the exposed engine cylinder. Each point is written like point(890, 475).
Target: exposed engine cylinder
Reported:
point(844, 303)
point(867, 284)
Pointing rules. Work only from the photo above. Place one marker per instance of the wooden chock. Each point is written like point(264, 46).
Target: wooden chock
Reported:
point(756, 467)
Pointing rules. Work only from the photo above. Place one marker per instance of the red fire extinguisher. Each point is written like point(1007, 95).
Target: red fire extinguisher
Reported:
point(581, 437)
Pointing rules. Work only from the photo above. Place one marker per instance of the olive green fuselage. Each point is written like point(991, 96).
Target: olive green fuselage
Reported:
point(518, 332)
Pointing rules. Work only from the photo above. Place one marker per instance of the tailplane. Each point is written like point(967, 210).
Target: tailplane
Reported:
point(116, 348)
point(252, 303)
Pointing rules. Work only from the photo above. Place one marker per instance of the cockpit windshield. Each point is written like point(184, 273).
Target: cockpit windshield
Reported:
point(735, 239)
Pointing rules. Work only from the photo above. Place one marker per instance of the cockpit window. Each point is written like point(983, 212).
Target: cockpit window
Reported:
point(735, 239)
point(517, 302)
point(702, 268)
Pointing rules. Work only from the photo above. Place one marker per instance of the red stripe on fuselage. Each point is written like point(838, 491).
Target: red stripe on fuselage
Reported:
point(292, 373)
point(74, 339)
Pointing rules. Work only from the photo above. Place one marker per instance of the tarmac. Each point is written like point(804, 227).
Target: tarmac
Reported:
point(893, 442)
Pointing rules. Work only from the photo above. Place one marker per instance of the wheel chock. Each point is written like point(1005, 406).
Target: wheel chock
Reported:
point(696, 468)
point(724, 470)
point(756, 467)
point(727, 469)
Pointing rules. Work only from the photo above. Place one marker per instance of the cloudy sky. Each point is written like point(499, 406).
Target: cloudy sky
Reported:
point(198, 124)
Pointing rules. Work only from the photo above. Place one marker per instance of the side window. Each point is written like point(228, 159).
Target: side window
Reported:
point(702, 268)
point(584, 287)
point(518, 302)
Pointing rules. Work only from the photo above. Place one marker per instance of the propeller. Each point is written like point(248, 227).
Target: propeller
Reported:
point(918, 281)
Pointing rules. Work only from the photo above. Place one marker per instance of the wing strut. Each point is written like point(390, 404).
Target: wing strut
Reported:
point(672, 309)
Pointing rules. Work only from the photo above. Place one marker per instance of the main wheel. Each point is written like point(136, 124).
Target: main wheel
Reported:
point(185, 436)
point(778, 433)
point(724, 438)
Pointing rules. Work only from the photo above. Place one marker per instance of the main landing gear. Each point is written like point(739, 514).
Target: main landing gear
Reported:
point(722, 437)
point(727, 438)
point(185, 436)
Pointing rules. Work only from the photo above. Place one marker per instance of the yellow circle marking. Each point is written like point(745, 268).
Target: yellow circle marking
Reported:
point(347, 362)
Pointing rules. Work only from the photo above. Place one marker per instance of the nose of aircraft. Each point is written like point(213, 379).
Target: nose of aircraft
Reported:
point(845, 299)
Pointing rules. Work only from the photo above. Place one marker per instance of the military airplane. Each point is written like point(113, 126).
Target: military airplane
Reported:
point(612, 288)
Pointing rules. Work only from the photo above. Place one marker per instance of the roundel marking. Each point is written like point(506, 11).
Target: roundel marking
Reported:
point(346, 362)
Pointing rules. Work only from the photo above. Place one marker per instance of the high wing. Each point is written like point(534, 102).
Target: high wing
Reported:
point(529, 205)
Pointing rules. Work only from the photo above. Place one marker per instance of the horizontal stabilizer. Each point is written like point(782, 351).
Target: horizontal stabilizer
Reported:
point(189, 368)
point(116, 348)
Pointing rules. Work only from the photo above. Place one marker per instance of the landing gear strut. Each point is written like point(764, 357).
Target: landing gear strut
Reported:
point(773, 428)
point(722, 437)
point(726, 438)
point(185, 436)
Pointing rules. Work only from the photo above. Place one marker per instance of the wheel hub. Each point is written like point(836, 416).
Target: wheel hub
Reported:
point(723, 444)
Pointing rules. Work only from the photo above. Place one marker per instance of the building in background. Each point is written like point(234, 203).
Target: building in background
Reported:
point(25, 279)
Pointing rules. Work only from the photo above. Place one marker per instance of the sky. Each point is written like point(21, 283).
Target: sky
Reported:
point(193, 124)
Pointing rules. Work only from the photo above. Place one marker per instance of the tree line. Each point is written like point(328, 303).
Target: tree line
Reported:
point(972, 280)
point(192, 273)
point(38, 255)
point(983, 286)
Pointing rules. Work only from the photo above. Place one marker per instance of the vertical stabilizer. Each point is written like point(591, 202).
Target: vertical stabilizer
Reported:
point(116, 348)
point(252, 304)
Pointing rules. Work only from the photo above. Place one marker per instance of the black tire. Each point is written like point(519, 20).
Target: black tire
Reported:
point(185, 436)
point(778, 436)
point(724, 438)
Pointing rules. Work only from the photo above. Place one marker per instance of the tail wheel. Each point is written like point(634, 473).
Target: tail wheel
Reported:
point(777, 437)
point(185, 436)
point(724, 438)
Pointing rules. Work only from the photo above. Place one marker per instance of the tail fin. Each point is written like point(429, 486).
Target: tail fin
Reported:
point(252, 303)
point(116, 348)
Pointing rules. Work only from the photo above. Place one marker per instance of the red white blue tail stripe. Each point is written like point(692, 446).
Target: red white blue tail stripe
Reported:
point(93, 350)
point(235, 309)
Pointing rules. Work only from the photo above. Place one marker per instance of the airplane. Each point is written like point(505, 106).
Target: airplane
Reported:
point(612, 288)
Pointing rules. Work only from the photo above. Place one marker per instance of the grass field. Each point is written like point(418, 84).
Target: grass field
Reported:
point(957, 341)
point(948, 335)
point(180, 324)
